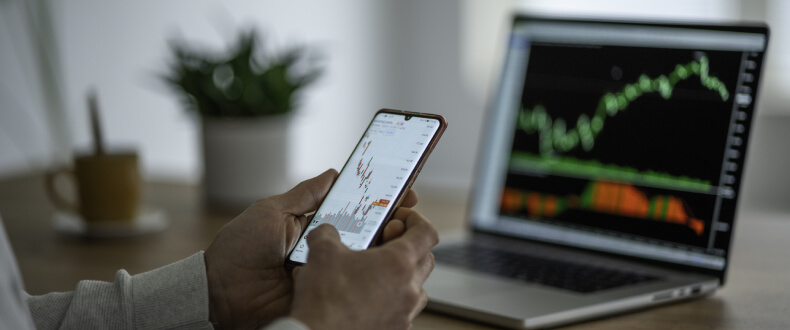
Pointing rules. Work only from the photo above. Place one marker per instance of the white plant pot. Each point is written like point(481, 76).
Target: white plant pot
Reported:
point(245, 159)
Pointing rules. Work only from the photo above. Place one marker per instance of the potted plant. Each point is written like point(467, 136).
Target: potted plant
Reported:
point(245, 99)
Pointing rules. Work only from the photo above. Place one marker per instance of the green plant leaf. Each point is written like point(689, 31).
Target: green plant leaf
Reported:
point(244, 82)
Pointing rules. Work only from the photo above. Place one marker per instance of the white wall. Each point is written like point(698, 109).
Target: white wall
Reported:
point(432, 56)
point(396, 54)
point(775, 97)
point(120, 47)
point(423, 74)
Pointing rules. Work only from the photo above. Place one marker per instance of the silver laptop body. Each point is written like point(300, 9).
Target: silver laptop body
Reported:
point(618, 145)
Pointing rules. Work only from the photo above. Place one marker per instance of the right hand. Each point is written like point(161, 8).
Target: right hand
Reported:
point(379, 288)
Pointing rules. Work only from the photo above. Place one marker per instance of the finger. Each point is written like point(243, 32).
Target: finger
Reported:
point(402, 213)
point(295, 271)
point(304, 221)
point(323, 234)
point(420, 304)
point(392, 230)
point(418, 238)
point(307, 195)
point(324, 242)
point(424, 268)
point(410, 199)
point(296, 231)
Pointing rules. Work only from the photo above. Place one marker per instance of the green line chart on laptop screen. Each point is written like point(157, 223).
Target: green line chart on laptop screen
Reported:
point(626, 138)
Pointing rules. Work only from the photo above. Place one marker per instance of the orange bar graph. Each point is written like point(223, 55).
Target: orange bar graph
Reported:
point(605, 197)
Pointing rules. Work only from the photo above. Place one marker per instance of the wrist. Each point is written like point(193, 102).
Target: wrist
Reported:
point(213, 318)
point(216, 303)
point(316, 316)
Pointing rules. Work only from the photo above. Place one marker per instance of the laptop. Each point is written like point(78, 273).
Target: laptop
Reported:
point(608, 174)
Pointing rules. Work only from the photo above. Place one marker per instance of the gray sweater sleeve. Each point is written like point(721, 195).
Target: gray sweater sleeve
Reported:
point(172, 297)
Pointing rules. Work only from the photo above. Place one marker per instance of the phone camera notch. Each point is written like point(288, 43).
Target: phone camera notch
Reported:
point(407, 117)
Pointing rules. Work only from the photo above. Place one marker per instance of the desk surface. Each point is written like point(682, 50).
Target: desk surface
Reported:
point(757, 295)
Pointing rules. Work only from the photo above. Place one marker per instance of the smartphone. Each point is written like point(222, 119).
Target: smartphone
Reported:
point(372, 183)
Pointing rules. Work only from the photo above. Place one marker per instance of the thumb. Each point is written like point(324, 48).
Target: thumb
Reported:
point(323, 234)
point(324, 243)
point(307, 195)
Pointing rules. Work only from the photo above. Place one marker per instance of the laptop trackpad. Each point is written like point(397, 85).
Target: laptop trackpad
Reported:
point(496, 295)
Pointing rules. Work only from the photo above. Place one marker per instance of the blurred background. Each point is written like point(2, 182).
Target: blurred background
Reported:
point(437, 56)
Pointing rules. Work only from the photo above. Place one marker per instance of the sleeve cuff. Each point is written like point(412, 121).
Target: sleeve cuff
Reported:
point(287, 323)
point(174, 296)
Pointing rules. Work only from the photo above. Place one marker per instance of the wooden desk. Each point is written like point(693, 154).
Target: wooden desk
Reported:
point(757, 295)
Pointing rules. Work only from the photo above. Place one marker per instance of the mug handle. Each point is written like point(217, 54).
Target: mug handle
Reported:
point(54, 196)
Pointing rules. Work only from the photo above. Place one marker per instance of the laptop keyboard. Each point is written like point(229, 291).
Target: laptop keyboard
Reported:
point(573, 276)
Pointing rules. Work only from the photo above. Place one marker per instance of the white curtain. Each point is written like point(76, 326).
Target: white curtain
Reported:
point(33, 129)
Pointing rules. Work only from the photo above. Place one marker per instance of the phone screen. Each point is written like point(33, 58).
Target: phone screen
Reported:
point(377, 173)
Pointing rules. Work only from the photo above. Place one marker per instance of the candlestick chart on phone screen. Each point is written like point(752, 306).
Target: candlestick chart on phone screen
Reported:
point(372, 179)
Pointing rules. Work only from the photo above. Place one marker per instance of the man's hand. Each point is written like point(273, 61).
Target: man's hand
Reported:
point(248, 283)
point(379, 288)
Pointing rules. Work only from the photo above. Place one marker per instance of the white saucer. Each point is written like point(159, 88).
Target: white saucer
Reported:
point(148, 221)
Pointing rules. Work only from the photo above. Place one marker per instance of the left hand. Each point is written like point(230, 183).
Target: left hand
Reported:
point(248, 284)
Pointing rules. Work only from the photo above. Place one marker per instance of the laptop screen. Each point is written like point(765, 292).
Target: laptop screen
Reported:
point(627, 138)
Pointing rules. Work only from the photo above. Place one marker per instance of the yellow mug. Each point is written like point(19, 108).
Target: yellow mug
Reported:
point(108, 187)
